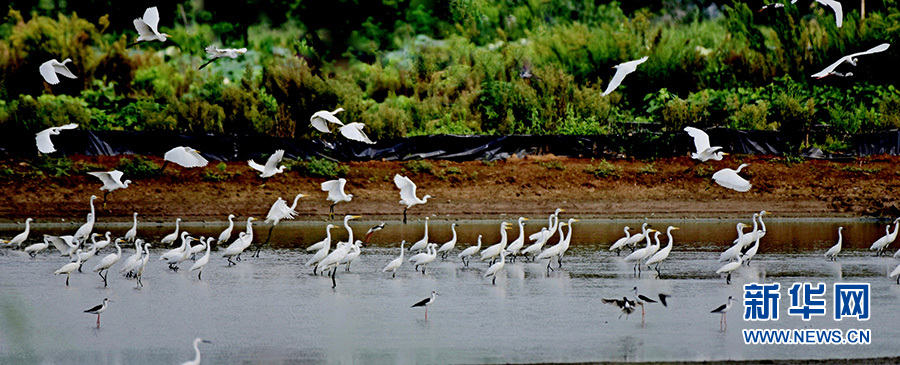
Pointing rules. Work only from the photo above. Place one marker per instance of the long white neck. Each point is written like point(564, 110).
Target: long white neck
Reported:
point(755, 226)
point(762, 225)
point(502, 237)
point(349, 231)
point(118, 249)
point(27, 226)
point(196, 352)
point(328, 232)
point(453, 229)
point(669, 233)
point(249, 227)
point(894, 233)
point(176, 226)
point(92, 207)
point(135, 221)
point(401, 250)
point(295, 201)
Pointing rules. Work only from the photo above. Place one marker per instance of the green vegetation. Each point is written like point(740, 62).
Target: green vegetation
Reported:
point(407, 68)
point(603, 169)
point(138, 167)
point(418, 167)
point(552, 165)
point(318, 167)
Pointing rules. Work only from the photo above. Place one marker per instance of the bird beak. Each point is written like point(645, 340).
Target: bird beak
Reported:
point(207, 341)
point(675, 228)
point(356, 216)
point(526, 219)
point(725, 153)
point(576, 220)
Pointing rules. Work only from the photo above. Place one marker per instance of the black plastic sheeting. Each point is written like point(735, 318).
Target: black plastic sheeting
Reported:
point(438, 147)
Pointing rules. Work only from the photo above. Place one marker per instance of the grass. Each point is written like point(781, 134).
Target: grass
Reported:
point(603, 169)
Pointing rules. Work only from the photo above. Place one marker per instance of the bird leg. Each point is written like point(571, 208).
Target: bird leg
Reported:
point(394, 274)
point(728, 279)
point(549, 269)
point(333, 282)
point(258, 248)
point(559, 262)
point(464, 262)
point(423, 269)
point(404, 219)
point(198, 275)
point(494, 282)
point(232, 262)
point(163, 168)
point(98, 320)
point(426, 312)
point(331, 215)
point(67, 279)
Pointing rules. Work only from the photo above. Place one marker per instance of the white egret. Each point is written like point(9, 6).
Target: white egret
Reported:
point(331, 261)
point(882, 243)
point(65, 244)
point(469, 252)
point(622, 70)
point(425, 303)
point(97, 309)
point(335, 189)
point(271, 168)
point(851, 59)
point(280, 210)
point(71, 267)
point(184, 157)
point(355, 251)
point(321, 118)
point(84, 256)
point(552, 251)
point(44, 144)
point(50, 68)
point(748, 255)
point(895, 273)
point(131, 261)
point(516, 245)
point(372, 231)
point(770, 6)
point(638, 255)
point(449, 245)
point(225, 236)
point(105, 242)
point(496, 267)
point(735, 250)
point(244, 242)
point(203, 260)
point(139, 270)
point(112, 180)
point(620, 243)
point(217, 53)
point(171, 237)
point(173, 256)
point(428, 258)
point(395, 263)
point(663, 254)
point(199, 248)
point(652, 250)
point(492, 252)
point(196, 360)
point(723, 309)
point(325, 242)
point(838, 10)
point(836, 249)
point(535, 248)
point(730, 268)
point(422, 243)
point(565, 242)
point(21, 237)
point(637, 237)
point(747, 238)
point(319, 255)
point(33, 249)
point(408, 194)
point(146, 27)
point(705, 152)
point(354, 131)
point(729, 178)
point(131, 235)
point(181, 256)
point(235, 248)
point(84, 232)
point(109, 261)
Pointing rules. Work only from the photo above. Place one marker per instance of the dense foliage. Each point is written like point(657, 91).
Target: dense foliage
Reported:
point(413, 67)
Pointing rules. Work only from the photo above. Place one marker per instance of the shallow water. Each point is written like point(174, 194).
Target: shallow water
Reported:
point(271, 309)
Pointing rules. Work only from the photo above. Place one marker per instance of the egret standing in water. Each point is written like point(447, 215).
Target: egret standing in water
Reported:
point(408, 194)
point(203, 260)
point(108, 262)
point(226, 234)
point(422, 243)
point(171, 237)
point(882, 243)
point(469, 252)
point(832, 252)
point(449, 245)
point(495, 268)
point(335, 189)
point(196, 360)
point(723, 309)
point(71, 267)
point(425, 303)
point(620, 243)
point(21, 237)
point(662, 254)
point(131, 235)
point(396, 263)
point(97, 309)
point(729, 268)
point(32, 250)
point(516, 245)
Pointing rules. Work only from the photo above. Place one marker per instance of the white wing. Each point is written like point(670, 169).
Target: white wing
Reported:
point(621, 71)
point(68, 126)
point(186, 157)
point(701, 139)
point(274, 160)
point(335, 189)
point(730, 179)
point(151, 18)
point(354, 131)
point(107, 178)
point(280, 210)
point(407, 189)
point(320, 120)
point(61, 69)
point(879, 48)
point(48, 72)
point(142, 29)
point(43, 142)
point(256, 166)
point(828, 70)
point(838, 10)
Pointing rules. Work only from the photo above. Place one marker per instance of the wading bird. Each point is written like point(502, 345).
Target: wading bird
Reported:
point(196, 360)
point(271, 168)
point(225, 236)
point(422, 243)
point(335, 189)
point(203, 260)
point(662, 254)
point(730, 179)
point(42, 138)
point(408, 194)
point(640, 254)
point(131, 235)
point(729, 268)
point(723, 309)
point(109, 261)
point(50, 68)
point(21, 237)
point(146, 27)
point(882, 243)
point(832, 252)
point(424, 258)
point(280, 210)
point(553, 251)
point(325, 242)
point(171, 237)
point(139, 271)
point(99, 308)
point(33, 249)
point(372, 231)
point(84, 232)
point(71, 267)
point(496, 267)
point(217, 53)
point(493, 251)
point(642, 300)
point(851, 59)
point(620, 243)
point(395, 263)
point(705, 152)
point(627, 306)
point(516, 245)
point(112, 180)
point(425, 303)
point(449, 245)
point(622, 70)
point(469, 252)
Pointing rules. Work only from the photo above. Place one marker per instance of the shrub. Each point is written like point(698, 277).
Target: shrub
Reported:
point(418, 167)
point(552, 165)
point(319, 167)
point(603, 169)
point(138, 167)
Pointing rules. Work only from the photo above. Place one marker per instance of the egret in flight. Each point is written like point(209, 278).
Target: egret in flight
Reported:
point(336, 194)
point(50, 68)
point(622, 70)
point(705, 152)
point(352, 131)
point(730, 179)
point(146, 27)
point(112, 180)
point(408, 194)
point(44, 144)
point(217, 53)
point(838, 10)
point(851, 59)
point(185, 157)
point(270, 168)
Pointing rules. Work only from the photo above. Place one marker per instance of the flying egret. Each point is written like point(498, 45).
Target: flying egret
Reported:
point(225, 236)
point(131, 235)
point(422, 243)
point(71, 267)
point(196, 360)
point(335, 189)
point(184, 157)
point(271, 168)
point(44, 144)
point(372, 231)
point(770, 6)
point(21, 237)
point(723, 309)
point(395, 263)
point(640, 254)
point(171, 237)
point(99, 308)
point(425, 303)
point(496, 267)
point(705, 152)
point(730, 268)
point(112, 180)
point(109, 261)
point(280, 210)
point(735, 250)
point(730, 179)
point(882, 243)
point(516, 245)
point(354, 131)
point(50, 68)
point(65, 244)
point(662, 254)
point(627, 306)
point(408, 194)
point(325, 242)
point(469, 252)
point(836, 249)
point(33, 249)
point(838, 10)
point(139, 270)
point(622, 70)
point(552, 251)
point(449, 245)
point(203, 260)
point(851, 59)
point(217, 53)
point(146, 27)
point(321, 118)
point(493, 251)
